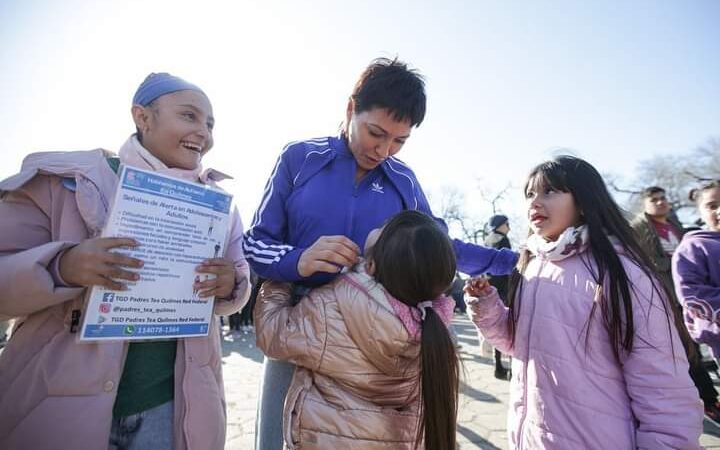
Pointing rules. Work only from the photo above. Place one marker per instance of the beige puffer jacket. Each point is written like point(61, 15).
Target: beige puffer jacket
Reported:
point(356, 382)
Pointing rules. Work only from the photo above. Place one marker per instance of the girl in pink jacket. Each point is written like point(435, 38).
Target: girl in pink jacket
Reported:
point(376, 366)
point(597, 359)
point(58, 393)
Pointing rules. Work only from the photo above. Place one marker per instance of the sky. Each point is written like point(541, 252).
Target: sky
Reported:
point(509, 83)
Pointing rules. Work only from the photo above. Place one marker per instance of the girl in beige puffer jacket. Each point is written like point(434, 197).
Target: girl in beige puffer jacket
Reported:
point(376, 366)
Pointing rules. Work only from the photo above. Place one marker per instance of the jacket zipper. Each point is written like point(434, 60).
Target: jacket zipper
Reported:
point(525, 372)
point(353, 200)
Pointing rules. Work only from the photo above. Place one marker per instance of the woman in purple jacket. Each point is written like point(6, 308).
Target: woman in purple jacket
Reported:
point(325, 195)
point(696, 270)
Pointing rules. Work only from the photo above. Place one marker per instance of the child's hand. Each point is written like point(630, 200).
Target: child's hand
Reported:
point(478, 287)
point(91, 263)
point(224, 282)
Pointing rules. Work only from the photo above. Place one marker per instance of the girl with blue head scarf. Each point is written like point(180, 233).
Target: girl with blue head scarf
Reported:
point(158, 394)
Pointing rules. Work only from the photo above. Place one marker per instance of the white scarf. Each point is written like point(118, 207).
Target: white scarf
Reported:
point(571, 242)
point(133, 153)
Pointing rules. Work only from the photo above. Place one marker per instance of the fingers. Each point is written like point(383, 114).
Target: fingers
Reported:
point(479, 286)
point(342, 241)
point(220, 286)
point(217, 262)
point(119, 259)
point(114, 242)
point(334, 257)
point(214, 291)
point(216, 266)
point(116, 273)
point(98, 280)
point(336, 249)
point(323, 266)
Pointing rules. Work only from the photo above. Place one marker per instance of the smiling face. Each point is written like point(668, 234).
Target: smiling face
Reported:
point(177, 128)
point(709, 206)
point(374, 136)
point(550, 211)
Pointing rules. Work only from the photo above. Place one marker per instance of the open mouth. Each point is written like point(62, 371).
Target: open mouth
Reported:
point(191, 146)
point(537, 218)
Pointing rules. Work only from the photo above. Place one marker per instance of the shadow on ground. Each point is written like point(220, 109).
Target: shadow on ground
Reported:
point(476, 439)
point(243, 344)
point(478, 395)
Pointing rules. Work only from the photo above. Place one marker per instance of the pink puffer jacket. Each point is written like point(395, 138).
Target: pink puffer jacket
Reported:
point(54, 391)
point(569, 394)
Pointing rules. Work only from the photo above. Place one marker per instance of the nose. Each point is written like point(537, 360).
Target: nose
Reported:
point(384, 149)
point(203, 130)
point(534, 203)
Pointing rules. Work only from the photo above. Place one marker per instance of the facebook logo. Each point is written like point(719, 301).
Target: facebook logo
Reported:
point(108, 297)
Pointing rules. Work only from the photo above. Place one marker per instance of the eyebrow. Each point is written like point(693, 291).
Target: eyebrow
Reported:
point(385, 131)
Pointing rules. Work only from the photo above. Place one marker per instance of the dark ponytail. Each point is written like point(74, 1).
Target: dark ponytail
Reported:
point(414, 260)
point(439, 392)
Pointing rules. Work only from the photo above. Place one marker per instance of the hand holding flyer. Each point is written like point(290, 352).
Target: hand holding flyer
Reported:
point(181, 229)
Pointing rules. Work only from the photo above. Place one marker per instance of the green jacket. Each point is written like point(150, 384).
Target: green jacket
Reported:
point(650, 241)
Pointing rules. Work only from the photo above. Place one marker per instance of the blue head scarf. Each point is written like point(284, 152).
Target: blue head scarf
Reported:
point(158, 84)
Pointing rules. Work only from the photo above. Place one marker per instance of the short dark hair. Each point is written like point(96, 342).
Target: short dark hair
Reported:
point(414, 259)
point(650, 191)
point(390, 84)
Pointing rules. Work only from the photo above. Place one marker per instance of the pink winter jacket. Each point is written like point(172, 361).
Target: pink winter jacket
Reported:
point(54, 391)
point(569, 394)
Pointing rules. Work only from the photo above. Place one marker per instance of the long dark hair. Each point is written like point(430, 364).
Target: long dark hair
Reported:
point(603, 218)
point(415, 262)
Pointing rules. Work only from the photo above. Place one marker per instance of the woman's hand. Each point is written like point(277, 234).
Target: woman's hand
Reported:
point(91, 263)
point(224, 282)
point(328, 254)
point(478, 287)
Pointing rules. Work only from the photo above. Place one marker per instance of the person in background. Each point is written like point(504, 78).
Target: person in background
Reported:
point(696, 271)
point(498, 238)
point(659, 232)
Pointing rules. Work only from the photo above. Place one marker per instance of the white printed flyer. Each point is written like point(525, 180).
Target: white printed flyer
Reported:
point(178, 225)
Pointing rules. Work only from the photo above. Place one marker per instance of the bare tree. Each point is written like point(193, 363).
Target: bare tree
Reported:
point(453, 211)
point(494, 197)
point(677, 174)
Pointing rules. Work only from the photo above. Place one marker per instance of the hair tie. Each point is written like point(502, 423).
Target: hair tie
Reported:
point(422, 306)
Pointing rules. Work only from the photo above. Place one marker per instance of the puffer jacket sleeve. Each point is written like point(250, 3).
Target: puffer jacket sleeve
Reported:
point(699, 298)
point(663, 398)
point(293, 333)
point(234, 252)
point(29, 279)
point(491, 317)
